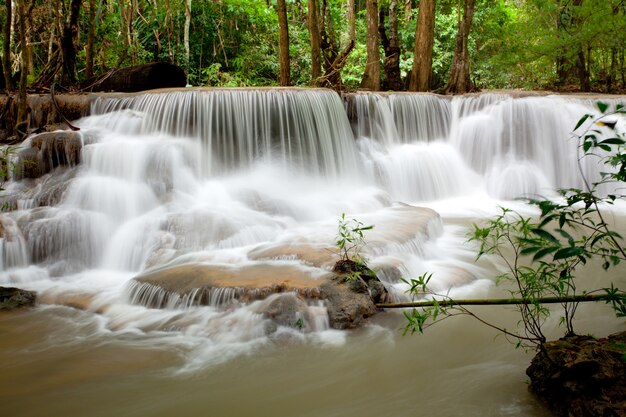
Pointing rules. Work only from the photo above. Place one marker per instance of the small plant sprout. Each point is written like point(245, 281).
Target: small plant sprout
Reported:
point(350, 238)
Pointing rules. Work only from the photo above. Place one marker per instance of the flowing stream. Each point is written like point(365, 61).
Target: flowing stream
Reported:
point(252, 182)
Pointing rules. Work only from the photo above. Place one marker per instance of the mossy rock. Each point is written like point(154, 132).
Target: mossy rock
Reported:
point(12, 298)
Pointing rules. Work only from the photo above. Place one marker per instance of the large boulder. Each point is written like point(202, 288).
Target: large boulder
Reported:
point(140, 78)
point(11, 298)
point(582, 376)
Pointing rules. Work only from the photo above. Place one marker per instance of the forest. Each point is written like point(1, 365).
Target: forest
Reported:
point(446, 46)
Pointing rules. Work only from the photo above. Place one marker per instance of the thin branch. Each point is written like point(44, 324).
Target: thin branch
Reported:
point(500, 301)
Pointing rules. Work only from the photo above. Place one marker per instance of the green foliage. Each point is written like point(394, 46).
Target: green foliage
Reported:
point(543, 255)
point(8, 165)
point(350, 238)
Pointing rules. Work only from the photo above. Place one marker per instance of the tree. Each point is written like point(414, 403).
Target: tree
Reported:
point(371, 76)
point(334, 60)
point(90, 40)
point(68, 43)
point(6, 47)
point(314, 33)
point(21, 126)
point(283, 49)
point(186, 35)
point(459, 81)
point(423, 52)
point(392, 79)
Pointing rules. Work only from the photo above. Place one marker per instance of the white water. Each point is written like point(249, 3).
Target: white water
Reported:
point(215, 177)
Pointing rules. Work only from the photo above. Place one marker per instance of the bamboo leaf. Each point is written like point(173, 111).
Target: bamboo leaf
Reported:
point(543, 252)
point(545, 235)
point(567, 253)
point(582, 120)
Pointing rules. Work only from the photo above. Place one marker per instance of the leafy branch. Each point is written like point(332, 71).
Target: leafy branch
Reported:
point(541, 257)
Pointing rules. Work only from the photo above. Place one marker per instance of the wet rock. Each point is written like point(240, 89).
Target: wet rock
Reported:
point(390, 274)
point(289, 310)
point(11, 298)
point(347, 309)
point(582, 376)
point(216, 285)
point(48, 151)
point(349, 299)
point(44, 114)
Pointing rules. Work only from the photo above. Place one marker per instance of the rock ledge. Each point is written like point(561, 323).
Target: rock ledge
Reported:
point(582, 376)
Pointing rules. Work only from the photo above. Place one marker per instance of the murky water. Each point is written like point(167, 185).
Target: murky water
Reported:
point(233, 181)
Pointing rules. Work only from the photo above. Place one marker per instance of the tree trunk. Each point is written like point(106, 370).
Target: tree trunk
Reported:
point(6, 48)
point(334, 61)
point(561, 61)
point(423, 52)
point(583, 72)
point(371, 76)
point(90, 40)
point(408, 7)
point(21, 127)
point(392, 79)
point(459, 81)
point(186, 36)
point(68, 44)
point(314, 31)
point(283, 40)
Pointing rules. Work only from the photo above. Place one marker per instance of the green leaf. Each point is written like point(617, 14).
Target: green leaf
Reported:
point(614, 141)
point(543, 252)
point(545, 235)
point(530, 249)
point(568, 252)
point(582, 120)
point(605, 147)
point(602, 106)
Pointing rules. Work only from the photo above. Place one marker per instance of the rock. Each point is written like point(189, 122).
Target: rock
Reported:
point(321, 256)
point(48, 151)
point(284, 289)
point(582, 376)
point(218, 284)
point(140, 78)
point(43, 111)
point(347, 309)
point(289, 310)
point(11, 298)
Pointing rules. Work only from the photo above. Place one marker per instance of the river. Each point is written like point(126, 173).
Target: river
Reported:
point(214, 177)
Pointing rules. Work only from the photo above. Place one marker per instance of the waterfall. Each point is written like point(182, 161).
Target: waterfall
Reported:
point(296, 129)
point(211, 196)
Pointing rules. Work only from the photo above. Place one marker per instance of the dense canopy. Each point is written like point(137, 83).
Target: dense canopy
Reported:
point(343, 44)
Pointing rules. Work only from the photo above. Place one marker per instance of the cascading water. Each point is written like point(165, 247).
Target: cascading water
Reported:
point(248, 185)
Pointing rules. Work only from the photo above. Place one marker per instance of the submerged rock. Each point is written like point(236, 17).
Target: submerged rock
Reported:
point(11, 298)
point(289, 310)
point(582, 376)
